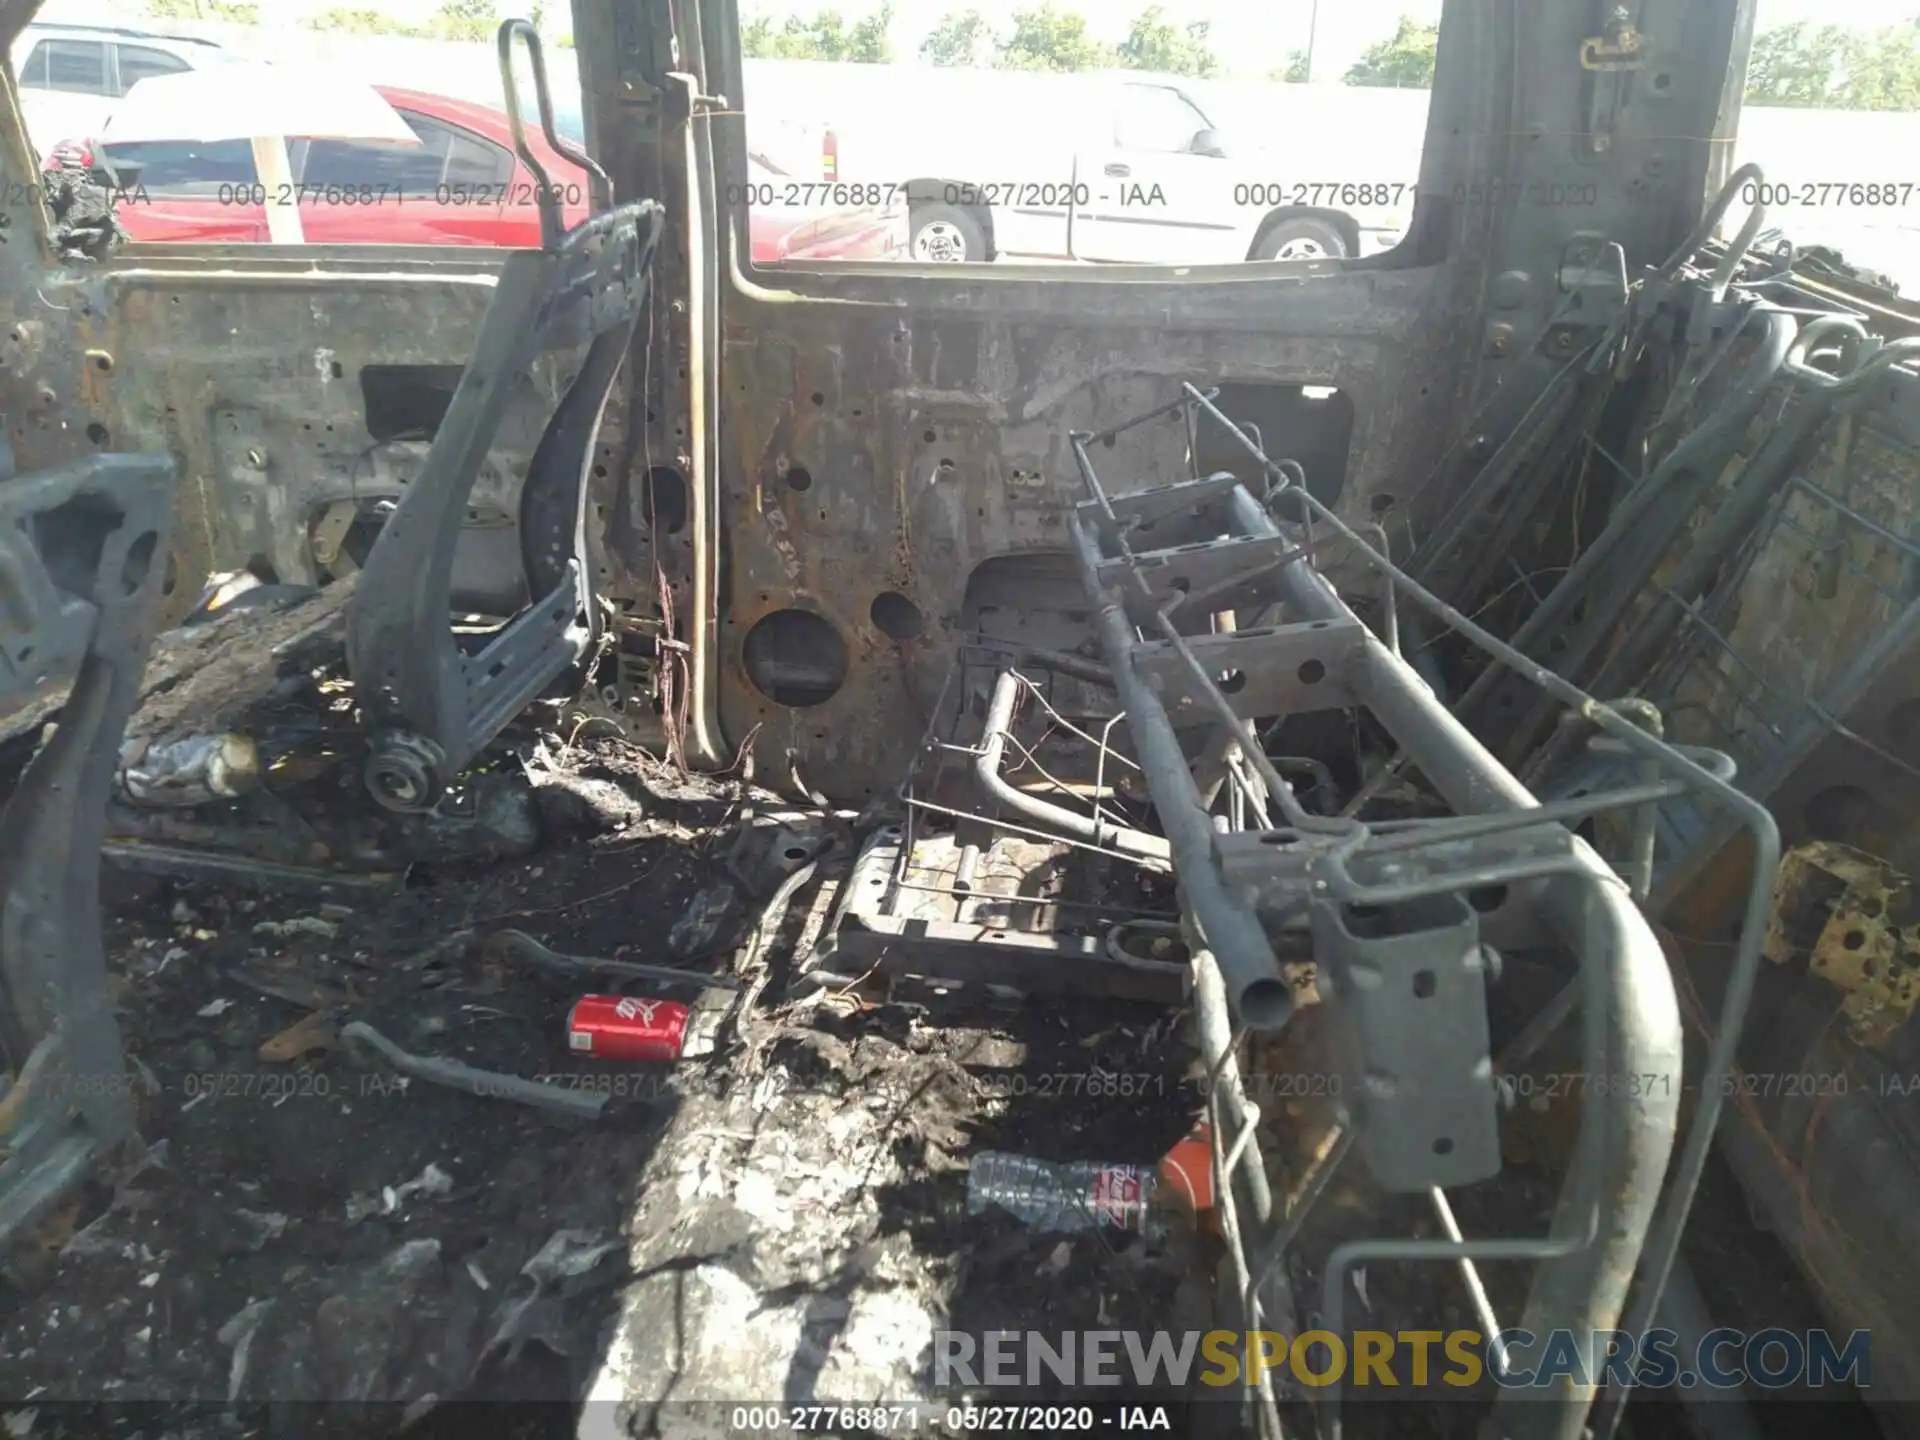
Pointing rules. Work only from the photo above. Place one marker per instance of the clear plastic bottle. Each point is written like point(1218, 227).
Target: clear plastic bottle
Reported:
point(1075, 1195)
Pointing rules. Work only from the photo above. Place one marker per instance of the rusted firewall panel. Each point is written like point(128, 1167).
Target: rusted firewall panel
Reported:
point(892, 456)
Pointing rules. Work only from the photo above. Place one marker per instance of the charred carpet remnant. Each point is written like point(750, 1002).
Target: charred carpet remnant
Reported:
point(85, 229)
point(780, 1219)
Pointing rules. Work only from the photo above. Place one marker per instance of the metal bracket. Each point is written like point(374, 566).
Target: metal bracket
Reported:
point(1617, 50)
point(1275, 865)
point(1408, 988)
point(1607, 59)
point(1206, 568)
point(1273, 670)
point(1184, 513)
point(1593, 265)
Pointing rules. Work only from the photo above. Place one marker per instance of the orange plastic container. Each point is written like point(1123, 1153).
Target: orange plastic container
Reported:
point(1187, 1171)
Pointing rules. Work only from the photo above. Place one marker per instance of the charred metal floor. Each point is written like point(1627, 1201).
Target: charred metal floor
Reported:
point(305, 1237)
point(785, 1223)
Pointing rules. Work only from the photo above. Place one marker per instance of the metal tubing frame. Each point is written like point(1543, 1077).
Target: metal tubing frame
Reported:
point(1631, 1026)
point(986, 769)
point(1229, 929)
point(1390, 687)
point(1631, 1017)
point(1701, 454)
point(1775, 467)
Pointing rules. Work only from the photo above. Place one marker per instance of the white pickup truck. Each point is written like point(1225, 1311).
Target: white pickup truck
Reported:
point(1117, 166)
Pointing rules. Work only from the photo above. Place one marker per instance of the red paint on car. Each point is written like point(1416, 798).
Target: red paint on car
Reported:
point(462, 186)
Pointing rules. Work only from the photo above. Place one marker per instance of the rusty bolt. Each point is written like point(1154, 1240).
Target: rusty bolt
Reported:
point(1500, 340)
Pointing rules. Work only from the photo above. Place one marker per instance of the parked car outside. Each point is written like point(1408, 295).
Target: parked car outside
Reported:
point(71, 75)
point(462, 185)
point(1126, 166)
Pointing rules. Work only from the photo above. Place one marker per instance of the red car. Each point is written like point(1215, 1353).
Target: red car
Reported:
point(462, 185)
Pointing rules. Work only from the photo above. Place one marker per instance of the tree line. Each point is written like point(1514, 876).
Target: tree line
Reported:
point(1824, 67)
point(1045, 37)
point(1041, 37)
point(454, 20)
point(1817, 66)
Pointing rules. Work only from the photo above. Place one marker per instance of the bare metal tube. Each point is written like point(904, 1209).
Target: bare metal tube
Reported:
point(1259, 994)
point(1628, 1137)
point(986, 768)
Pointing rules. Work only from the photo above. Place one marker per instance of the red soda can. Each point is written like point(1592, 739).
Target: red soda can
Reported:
point(627, 1027)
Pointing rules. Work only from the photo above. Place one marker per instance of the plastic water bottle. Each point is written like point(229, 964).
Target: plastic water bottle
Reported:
point(1076, 1195)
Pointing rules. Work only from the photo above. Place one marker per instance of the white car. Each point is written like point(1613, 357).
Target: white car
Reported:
point(69, 76)
point(1105, 166)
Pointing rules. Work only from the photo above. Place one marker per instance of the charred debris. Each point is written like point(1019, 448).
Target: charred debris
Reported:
point(457, 1003)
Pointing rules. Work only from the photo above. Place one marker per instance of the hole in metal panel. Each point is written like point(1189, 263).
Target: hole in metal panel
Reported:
point(407, 401)
point(895, 616)
point(663, 493)
point(795, 658)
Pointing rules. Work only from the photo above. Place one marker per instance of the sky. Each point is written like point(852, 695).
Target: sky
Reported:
point(1251, 36)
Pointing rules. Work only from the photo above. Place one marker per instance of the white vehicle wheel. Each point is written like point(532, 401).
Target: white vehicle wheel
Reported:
point(1302, 238)
point(942, 235)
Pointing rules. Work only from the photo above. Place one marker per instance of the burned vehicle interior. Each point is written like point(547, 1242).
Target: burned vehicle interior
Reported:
point(1316, 706)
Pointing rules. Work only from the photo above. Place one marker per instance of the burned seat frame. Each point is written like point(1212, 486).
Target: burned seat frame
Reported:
point(1395, 909)
point(430, 705)
point(82, 556)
